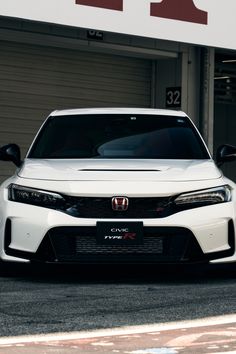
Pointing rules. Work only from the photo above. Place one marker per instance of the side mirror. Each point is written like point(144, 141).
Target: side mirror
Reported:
point(11, 152)
point(225, 153)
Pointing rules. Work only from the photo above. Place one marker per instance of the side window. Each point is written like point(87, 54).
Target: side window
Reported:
point(186, 146)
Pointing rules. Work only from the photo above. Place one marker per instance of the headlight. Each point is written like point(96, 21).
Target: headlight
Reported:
point(36, 197)
point(204, 197)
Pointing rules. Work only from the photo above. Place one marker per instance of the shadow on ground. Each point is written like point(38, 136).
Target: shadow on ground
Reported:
point(119, 273)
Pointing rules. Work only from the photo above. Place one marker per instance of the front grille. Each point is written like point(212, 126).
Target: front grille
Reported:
point(78, 244)
point(101, 208)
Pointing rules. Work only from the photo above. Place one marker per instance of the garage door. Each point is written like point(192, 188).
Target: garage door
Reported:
point(36, 80)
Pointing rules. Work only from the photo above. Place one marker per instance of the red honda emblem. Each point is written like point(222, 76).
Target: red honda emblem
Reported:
point(120, 203)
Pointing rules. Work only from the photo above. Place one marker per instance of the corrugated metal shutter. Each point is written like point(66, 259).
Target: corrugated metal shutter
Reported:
point(36, 80)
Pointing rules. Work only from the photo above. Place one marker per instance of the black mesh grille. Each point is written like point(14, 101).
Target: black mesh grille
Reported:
point(78, 244)
point(100, 208)
point(88, 245)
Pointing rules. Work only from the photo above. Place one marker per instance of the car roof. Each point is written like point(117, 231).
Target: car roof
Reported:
point(151, 111)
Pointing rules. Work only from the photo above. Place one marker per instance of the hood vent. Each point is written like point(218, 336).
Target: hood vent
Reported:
point(117, 170)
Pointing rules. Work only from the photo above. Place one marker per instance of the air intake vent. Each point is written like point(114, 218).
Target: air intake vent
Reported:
point(118, 170)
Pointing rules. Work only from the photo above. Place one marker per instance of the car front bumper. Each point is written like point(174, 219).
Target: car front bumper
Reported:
point(197, 235)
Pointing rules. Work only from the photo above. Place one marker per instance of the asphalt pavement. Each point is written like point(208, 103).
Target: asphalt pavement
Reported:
point(42, 301)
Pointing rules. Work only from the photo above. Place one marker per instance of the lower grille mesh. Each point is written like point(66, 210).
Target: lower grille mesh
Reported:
point(78, 244)
point(88, 245)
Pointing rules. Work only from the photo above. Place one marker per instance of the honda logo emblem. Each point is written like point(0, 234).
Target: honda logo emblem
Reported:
point(120, 203)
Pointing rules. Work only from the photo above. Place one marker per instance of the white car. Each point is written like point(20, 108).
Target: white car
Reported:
point(117, 186)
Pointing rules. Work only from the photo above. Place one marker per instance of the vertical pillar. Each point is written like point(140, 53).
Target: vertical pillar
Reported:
point(184, 83)
point(207, 95)
point(190, 82)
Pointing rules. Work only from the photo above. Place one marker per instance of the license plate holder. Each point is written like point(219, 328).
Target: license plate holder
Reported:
point(120, 233)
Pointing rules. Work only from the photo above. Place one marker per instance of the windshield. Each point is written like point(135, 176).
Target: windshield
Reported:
point(118, 136)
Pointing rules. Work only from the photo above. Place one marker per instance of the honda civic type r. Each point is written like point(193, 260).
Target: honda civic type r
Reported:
point(117, 186)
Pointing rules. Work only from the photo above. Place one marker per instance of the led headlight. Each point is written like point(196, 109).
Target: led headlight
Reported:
point(204, 197)
point(36, 197)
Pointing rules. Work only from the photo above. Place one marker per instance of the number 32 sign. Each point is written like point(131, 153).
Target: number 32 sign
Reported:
point(173, 97)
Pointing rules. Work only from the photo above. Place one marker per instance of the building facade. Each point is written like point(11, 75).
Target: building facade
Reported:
point(59, 54)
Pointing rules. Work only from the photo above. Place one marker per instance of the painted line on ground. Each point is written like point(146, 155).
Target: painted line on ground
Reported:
point(120, 331)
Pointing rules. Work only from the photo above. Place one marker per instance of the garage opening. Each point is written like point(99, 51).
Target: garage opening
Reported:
point(36, 80)
point(225, 105)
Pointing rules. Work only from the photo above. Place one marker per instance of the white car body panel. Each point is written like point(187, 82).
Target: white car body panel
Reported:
point(118, 170)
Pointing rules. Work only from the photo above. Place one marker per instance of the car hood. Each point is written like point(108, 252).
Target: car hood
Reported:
point(119, 170)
